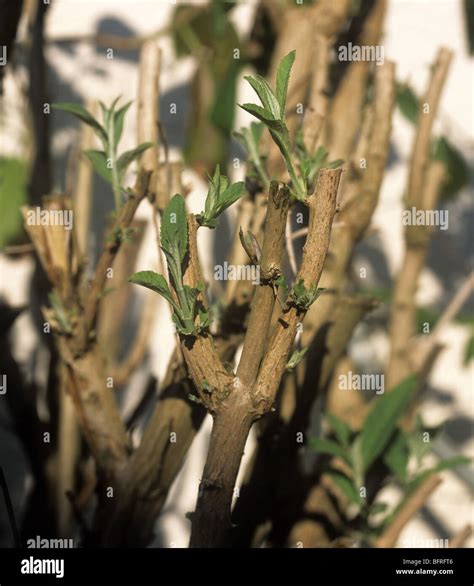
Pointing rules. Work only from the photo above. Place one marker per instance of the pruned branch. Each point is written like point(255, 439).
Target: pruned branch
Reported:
point(426, 117)
point(148, 107)
point(264, 297)
point(322, 208)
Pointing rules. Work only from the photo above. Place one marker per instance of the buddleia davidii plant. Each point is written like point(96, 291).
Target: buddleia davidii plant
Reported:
point(272, 115)
point(108, 163)
point(188, 314)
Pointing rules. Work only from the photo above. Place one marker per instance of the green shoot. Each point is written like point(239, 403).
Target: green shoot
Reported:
point(107, 162)
point(220, 196)
point(272, 114)
point(174, 243)
point(250, 139)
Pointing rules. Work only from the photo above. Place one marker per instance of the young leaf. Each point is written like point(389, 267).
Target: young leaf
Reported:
point(408, 102)
point(357, 461)
point(295, 359)
point(191, 296)
point(449, 463)
point(105, 114)
point(83, 115)
point(60, 313)
point(119, 117)
point(100, 163)
point(456, 166)
point(155, 282)
point(280, 282)
point(320, 156)
point(204, 319)
point(256, 131)
point(114, 103)
point(250, 139)
point(108, 114)
point(220, 196)
point(282, 79)
point(267, 97)
point(340, 428)
point(326, 446)
point(261, 113)
point(468, 353)
point(334, 164)
point(303, 298)
point(222, 111)
point(230, 196)
point(346, 486)
point(305, 168)
point(417, 447)
point(382, 419)
point(396, 456)
point(377, 508)
point(174, 227)
point(213, 192)
point(128, 157)
point(180, 324)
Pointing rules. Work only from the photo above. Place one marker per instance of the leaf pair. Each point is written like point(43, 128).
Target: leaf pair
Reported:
point(220, 196)
point(274, 103)
point(311, 164)
point(302, 297)
point(98, 159)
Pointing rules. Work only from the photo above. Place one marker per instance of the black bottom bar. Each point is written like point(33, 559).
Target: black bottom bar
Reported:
point(261, 566)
